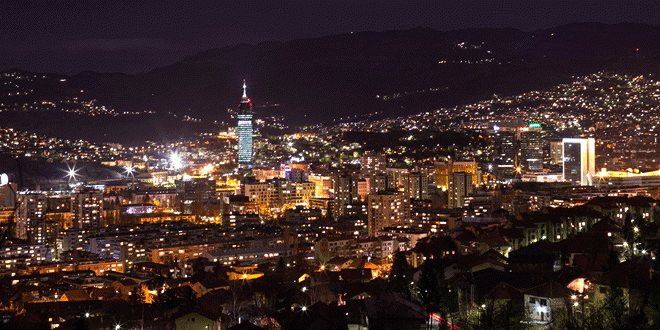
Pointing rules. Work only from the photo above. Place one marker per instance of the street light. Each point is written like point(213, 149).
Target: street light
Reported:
point(175, 159)
point(71, 172)
point(130, 170)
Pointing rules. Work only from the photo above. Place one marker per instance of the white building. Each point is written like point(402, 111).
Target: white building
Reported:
point(579, 160)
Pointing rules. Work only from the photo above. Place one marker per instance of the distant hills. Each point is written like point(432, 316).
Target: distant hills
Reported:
point(393, 73)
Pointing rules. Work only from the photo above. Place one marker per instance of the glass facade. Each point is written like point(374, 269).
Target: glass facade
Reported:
point(244, 138)
point(579, 160)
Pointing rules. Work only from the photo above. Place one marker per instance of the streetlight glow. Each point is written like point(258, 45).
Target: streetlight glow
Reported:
point(175, 159)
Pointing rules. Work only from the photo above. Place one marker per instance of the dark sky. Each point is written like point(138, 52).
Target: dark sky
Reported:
point(137, 36)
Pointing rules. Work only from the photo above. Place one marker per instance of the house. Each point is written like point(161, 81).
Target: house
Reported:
point(244, 273)
point(433, 247)
point(337, 263)
point(245, 326)
point(506, 295)
point(632, 277)
point(543, 300)
point(103, 293)
point(533, 259)
point(149, 268)
point(209, 284)
point(317, 316)
point(356, 275)
point(492, 241)
point(75, 295)
point(328, 247)
point(200, 316)
point(474, 286)
point(124, 287)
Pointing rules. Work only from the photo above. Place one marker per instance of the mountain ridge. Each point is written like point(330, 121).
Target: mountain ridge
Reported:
point(328, 78)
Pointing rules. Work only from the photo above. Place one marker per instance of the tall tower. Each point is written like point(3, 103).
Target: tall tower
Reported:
point(244, 129)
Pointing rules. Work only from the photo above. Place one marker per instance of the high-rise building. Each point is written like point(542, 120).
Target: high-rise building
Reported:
point(244, 129)
point(555, 149)
point(531, 150)
point(396, 177)
point(31, 218)
point(278, 193)
point(7, 191)
point(579, 160)
point(508, 154)
point(386, 209)
point(345, 192)
point(444, 169)
point(323, 184)
point(460, 186)
point(194, 192)
point(87, 209)
point(372, 163)
point(377, 182)
point(417, 185)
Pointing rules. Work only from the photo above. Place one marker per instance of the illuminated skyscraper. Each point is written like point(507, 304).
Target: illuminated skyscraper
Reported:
point(244, 129)
point(579, 160)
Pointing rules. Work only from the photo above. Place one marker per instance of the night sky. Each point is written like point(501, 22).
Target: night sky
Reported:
point(137, 36)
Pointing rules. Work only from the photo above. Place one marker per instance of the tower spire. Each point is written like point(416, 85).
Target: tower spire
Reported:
point(244, 86)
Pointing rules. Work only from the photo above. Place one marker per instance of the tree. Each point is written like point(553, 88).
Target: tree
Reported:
point(434, 291)
point(612, 260)
point(653, 305)
point(615, 308)
point(137, 296)
point(609, 314)
point(429, 286)
point(198, 269)
point(400, 275)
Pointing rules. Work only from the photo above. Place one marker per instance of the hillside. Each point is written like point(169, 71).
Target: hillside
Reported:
point(393, 72)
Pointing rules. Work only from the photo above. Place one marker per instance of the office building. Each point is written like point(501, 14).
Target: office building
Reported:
point(531, 151)
point(579, 160)
point(555, 149)
point(323, 184)
point(444, 169)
